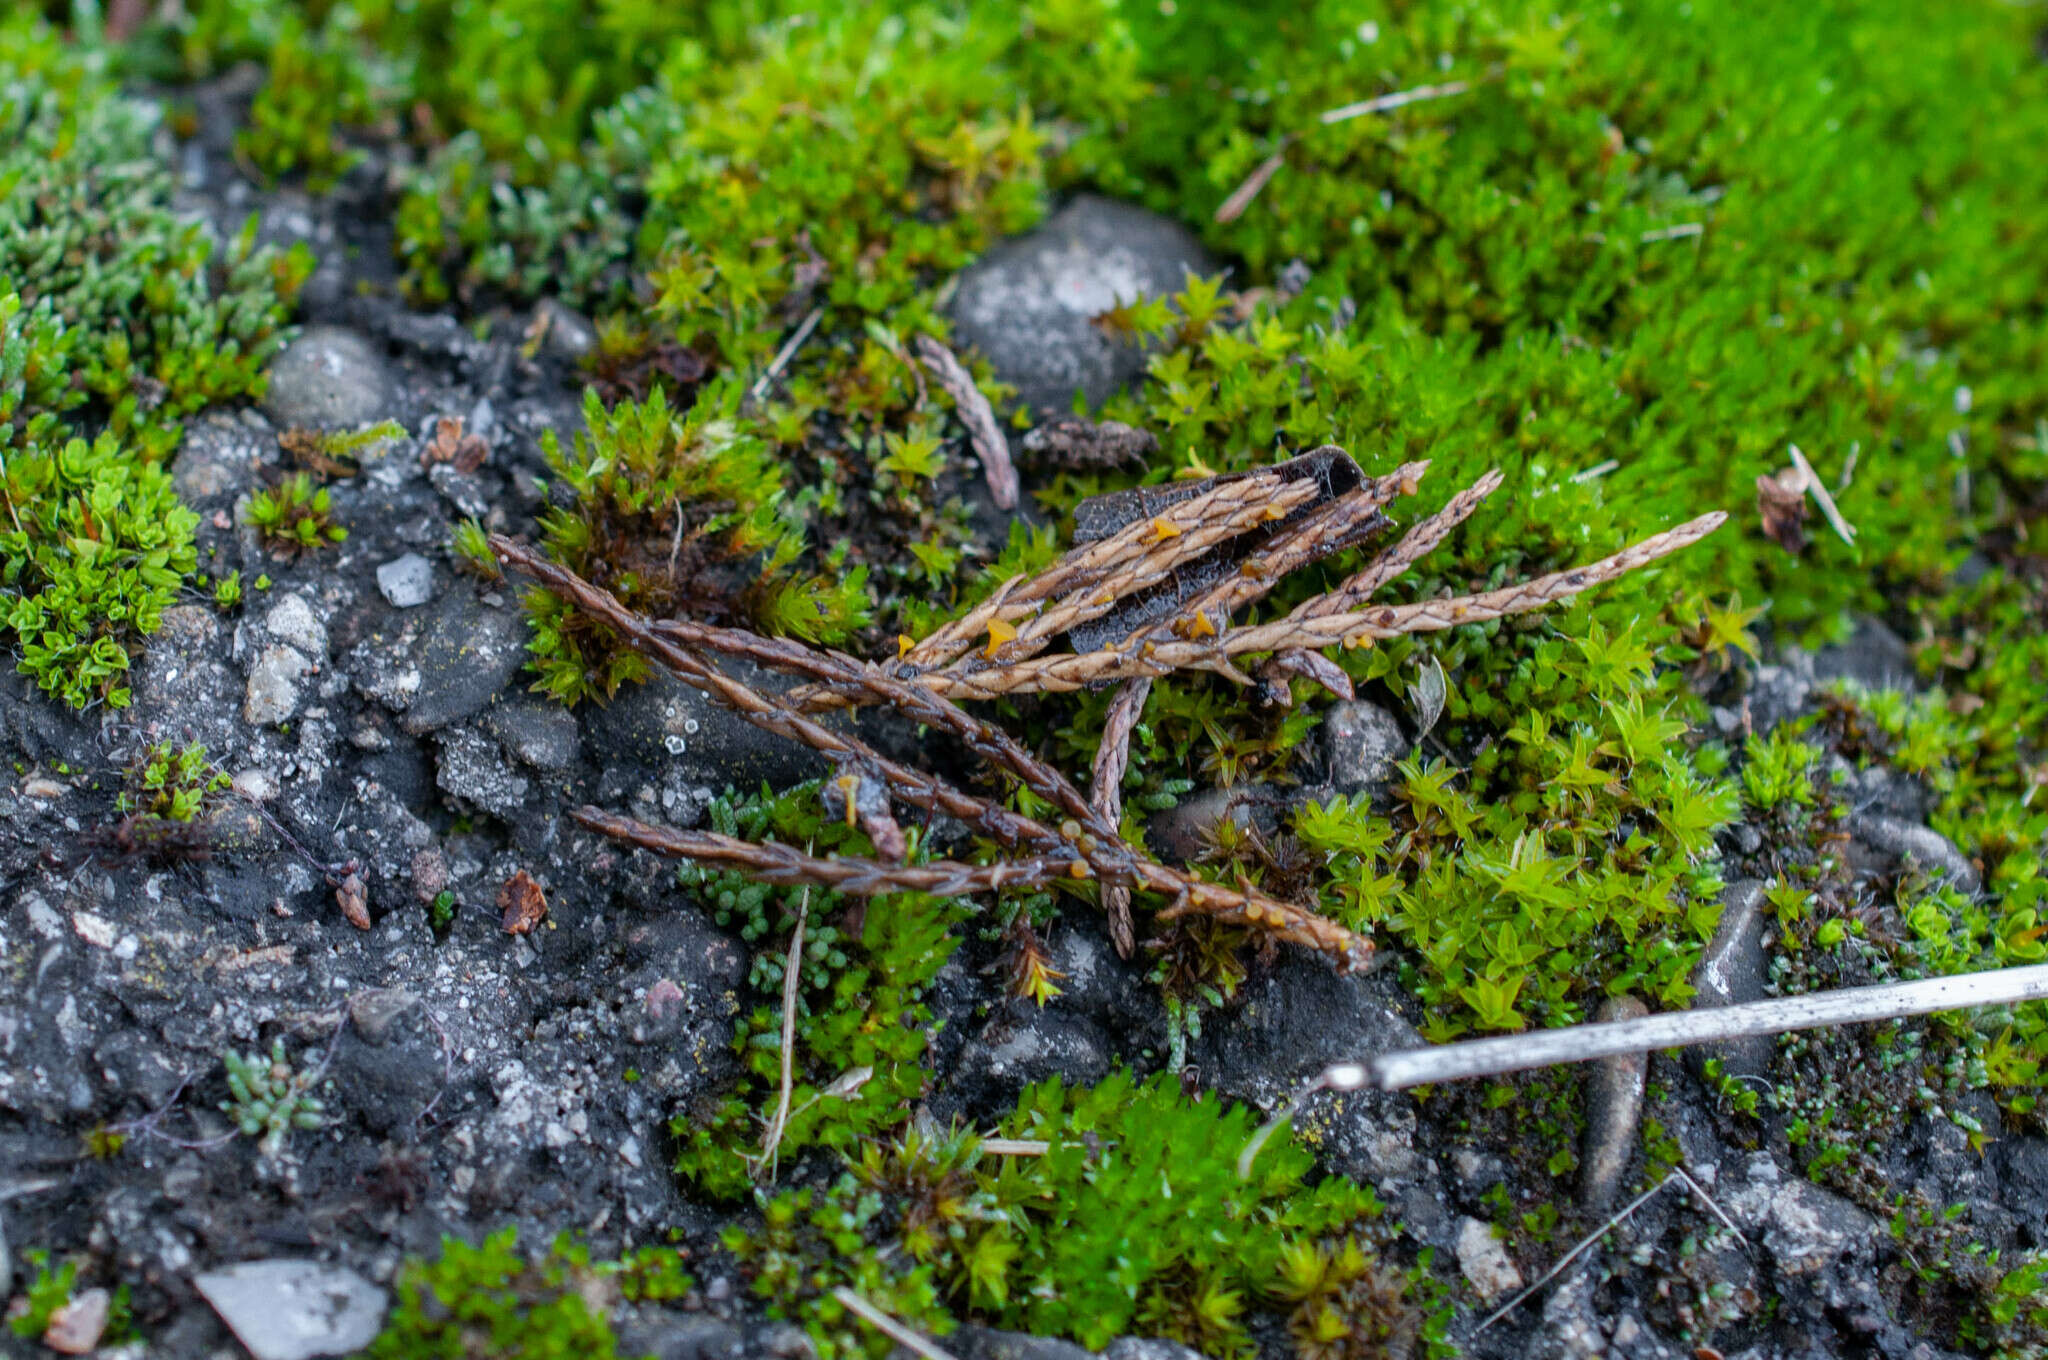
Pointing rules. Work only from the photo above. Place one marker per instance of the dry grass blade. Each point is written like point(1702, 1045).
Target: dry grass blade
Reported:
point(1106, 792)
point(975, 413)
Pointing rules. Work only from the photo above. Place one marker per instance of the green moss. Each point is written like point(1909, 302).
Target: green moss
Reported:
point(1134, 1220)
point(116, 316)
point(862, 1031)
point(295, 515)
point(172, 782)
point(489, 1300)
point(317, 85)
point(93, 546)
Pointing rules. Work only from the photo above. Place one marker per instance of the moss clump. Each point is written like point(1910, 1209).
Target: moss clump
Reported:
point(862, 1031)
point(488, 1301)
point(1134, 1220)
point(171, 782)
point(675, 512)
point(295, 516)
point(115, 315)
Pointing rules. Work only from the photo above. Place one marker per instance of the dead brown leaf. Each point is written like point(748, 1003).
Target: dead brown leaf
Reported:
point(521, 904)
point(1781, 505)
point(354, 900)
point(451, 445)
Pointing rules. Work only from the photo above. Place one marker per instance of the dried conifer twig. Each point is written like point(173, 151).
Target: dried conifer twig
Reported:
point(1106, 791)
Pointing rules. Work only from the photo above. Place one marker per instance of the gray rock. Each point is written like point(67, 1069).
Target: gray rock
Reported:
point(406, 581)
point(272, 694)
point(1922, 845)
point(1484, 1261)
point(294, 1309)
point(1027, 305)
point(985, 1343)
point(1731, 970)
point(292, 621)
point(1571, 1320)
point(570, 335)
point(184, 671)
point(684, 1338)
point(1614, 1112)
point(473, 768)
point(376, 1012)
point(1024, 1044)
point(1184, 831)
point(218, 457)
point(467, 652)
point(1805, 1229)
point(668, 724)
point(1874, 657)
point(1362, 743)
point(1148, 1348)
point(328, 378)
point(538, 732)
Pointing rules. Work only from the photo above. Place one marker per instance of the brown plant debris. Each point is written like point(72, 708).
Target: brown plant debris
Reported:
point(451, 444)
point(1079, 444)
point(1159, 575)
point(979, 418)
point(521, 904)
point(1081, 847)
point(354, 900)
point(1152, 586)
point(308, 448)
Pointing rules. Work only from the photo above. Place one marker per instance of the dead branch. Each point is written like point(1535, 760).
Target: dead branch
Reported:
point(1083, 847)
point(1150, 588)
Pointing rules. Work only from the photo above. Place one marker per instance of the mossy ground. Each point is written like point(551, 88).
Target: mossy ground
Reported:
point(1649, 247)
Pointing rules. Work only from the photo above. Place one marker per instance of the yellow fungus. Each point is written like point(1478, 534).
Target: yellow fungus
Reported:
point(999, 632)
point(1163, 529)
point(849, 784)
point(903, 645)
point(1199, 626)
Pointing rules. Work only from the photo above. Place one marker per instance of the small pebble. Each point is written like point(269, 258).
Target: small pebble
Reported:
point(407, 581)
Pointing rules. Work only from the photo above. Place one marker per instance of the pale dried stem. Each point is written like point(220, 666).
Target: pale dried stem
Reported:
point(980, 420)
point(1417, 543)
point(1106, 792)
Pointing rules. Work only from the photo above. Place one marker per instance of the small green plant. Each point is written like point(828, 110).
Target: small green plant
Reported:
point(317, 84)
point(471, 545)
point(269, 1098)
point(295, 516)
point(441, 913)
point(1175, 1244)
point(172, 782)
point(93, 546)
point(227, 591)
point(47, 1292)
point(488, 1301)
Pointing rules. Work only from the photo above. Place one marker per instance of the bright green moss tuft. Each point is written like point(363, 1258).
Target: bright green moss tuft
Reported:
point(118, 316)
point(93, 546)
point(489, 1302)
